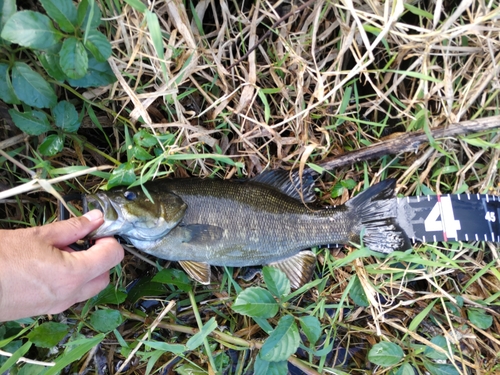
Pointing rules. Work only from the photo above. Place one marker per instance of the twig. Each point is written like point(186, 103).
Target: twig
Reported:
point(410, 142)
point(12, 141)
point(270, 30)
point(27, 360)
point(153, 326)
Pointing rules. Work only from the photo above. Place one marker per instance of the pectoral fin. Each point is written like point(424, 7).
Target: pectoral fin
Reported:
point(299, 268)
point(197, 271)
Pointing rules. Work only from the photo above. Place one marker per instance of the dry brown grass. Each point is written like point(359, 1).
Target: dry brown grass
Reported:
point(334, 77)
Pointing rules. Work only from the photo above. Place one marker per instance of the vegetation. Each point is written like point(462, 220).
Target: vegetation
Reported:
point(168, 89)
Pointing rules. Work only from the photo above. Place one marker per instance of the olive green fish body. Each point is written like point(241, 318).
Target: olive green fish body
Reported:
point(236, 223)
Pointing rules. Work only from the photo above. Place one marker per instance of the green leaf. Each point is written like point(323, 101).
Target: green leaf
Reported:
point(276, 281)
point(144, 138)
point(66, 116)
point(93, 16)
point(198, 338)
point(48, 335)
point(31, 88)
point(190, 369)
point(123, 175)
point(282, 342)
point(263, 367)
point(137, 5)
point(11, 362)
point(433, 353)
point(31, 29)
point(74, 354)
point(166, 347)
point(7, 93)
point(63, 12)
point(31, 122)
point(98, 45)
point(145, 287)
point(385, 354)
point(480, 318)
point(311, 327)
point(140, 154)
point(357, 293)
point(106, 320)
point(50, 62)
point(98, 74)
point(175, 277)
point(51, 145)
point(440, 369)
point(73, 58)
point(110, 295)
point(405, 369)
point(256, 301)
point(7, 9)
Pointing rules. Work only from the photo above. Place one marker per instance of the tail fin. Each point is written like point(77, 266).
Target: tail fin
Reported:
point(377, 209)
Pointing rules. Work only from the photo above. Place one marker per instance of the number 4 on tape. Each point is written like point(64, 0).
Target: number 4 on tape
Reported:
point(448, 224)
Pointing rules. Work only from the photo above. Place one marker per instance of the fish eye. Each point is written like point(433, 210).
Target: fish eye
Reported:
point(130, 195)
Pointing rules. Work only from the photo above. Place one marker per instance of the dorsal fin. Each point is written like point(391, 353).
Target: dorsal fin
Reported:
point(289, 183)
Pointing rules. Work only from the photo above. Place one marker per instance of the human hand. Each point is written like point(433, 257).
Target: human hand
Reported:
point(40, 274)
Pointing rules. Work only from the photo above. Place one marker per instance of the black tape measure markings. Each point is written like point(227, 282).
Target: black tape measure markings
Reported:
point(459, 217)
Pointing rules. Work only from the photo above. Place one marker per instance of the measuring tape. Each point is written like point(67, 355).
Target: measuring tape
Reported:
point(455, 217)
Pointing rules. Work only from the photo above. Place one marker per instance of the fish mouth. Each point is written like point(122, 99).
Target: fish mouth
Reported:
point(113, 218)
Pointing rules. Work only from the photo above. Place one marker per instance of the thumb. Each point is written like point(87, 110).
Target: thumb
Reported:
point(63, 233)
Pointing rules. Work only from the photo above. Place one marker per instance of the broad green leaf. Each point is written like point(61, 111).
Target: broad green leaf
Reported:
point(175, 277)
point(31, 369)
point(123, 175)
point(357, 293)
point(198, 338)
point(106, 320)
point(32, 122)
point(92, 17)
point(51, 145)
point(66, 116)
point(98, 74)
point(48, 335)
point(7, 9)
point(140, 154)
point(31, 29)
point(110, 295)
point(31, 88)
point(440, 369)
point(433, 353)
point(98, 45)
point(405, 369)
point(282, 342)
point(73, 58)
point(276, 281)
point(63, 12)
point(190, 369)
point(263, 367)
point(256, 301)
point(311, 327)
point(7, 93)
point(385, 354)
point(166, 347)
point(144, 138)
point(50, 62)
point(145, 287)
point(480, 318)
point(76, 353)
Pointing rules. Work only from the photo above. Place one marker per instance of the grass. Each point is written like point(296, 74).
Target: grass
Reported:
point(331, 78)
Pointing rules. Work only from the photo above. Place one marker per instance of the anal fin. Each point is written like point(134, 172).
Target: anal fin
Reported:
point(197, 271)
point(299, 268)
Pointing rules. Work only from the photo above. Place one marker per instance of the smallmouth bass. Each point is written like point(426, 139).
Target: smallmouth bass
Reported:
point(264, 220)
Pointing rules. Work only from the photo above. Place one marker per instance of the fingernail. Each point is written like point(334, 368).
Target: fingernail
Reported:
point(93, 215)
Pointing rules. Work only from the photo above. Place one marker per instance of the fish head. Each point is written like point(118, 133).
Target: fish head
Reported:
point(130, 213)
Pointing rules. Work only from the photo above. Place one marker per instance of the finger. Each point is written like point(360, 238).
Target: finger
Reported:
point(104, 255)
point(63, 233)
